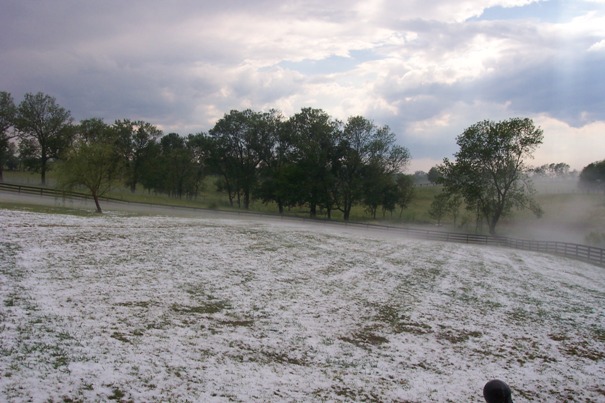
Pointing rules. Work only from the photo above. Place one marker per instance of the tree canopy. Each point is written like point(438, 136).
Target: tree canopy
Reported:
point(8, 112)
point(45, 129)
point(592, 176)
point(308, 160)
point(93, 160)
point(489, 170)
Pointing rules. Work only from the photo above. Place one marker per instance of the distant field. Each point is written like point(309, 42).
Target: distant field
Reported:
point(569, 215)
point(149, 308)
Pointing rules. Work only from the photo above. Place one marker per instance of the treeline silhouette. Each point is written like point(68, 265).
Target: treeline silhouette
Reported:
point(308, 159)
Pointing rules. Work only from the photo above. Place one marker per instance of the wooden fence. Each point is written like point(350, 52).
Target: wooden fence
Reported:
point(590, 254)
point(41, 191)
point(586, 253)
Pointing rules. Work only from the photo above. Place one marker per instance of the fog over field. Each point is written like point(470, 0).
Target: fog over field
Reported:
point(155, 308)
point(569, 215)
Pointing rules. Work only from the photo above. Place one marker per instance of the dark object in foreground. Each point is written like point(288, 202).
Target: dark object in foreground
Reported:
point(496, 391)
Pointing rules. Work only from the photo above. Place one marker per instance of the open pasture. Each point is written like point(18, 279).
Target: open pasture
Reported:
point(153, 308)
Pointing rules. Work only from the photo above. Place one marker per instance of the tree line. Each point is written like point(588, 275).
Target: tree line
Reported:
point(309, 159)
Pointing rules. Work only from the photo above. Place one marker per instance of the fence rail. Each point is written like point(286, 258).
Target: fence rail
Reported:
point(41, 191)
point(586, 253)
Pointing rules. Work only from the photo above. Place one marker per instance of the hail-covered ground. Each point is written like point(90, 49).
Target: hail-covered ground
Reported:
point(155, 308)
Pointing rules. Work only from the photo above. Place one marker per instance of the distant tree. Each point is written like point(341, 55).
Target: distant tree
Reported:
point(405, 191)
point(433, 175)
point(454, 201)
point(174, 161)
point(152, 169)
point(397, 191)
point(353, 149)
point(314, 136)
point(445, 204)
point(489, 171)
point(8, 111)
point(389, 197)
point(420, 177)
point(438, 208)
point(386, 160)
point(360, 145)
point(135, 140)
point(241, 143)
point(93, 161)
point(12, 158)
point(277, 169)
point(177, 160)
point(199, 146)
point(176, 165)
point(45, 129)
point(553, 170)
point(592, 176)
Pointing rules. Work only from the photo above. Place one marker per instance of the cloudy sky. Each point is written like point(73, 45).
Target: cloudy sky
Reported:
point(428, 69)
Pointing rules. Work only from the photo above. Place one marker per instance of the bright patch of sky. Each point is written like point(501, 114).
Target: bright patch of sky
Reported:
point(332, 64)
point(555, 11)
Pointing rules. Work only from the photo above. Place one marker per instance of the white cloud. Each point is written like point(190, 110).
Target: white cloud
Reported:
point(424, 68)
point(577, 147)
point(597, 46)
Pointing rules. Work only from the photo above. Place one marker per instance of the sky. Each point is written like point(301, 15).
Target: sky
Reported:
point(427, 69)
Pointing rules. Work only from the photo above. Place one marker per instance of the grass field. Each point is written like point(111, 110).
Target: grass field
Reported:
point(156, 308)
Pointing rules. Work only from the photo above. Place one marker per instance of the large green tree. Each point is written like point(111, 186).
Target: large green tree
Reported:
point(314, 138)
point(45, 128)
point(93, 161)
point(241, 143)
point(356, 148)
point(135, 140)
point(385, 159)
point(489, 170)
point(8, 112)
point(275, 176)
point(179, 172)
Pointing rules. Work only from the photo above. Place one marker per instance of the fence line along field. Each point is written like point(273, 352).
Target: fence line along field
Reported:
point(153, 308)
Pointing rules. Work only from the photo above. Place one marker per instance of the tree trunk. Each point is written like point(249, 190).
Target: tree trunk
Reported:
point(246, 199)
point(494, 221)
point(346, 214)
point(96, 198)
point(43, 161)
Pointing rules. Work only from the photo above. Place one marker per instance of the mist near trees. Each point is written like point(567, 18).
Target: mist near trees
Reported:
point(490, 171)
